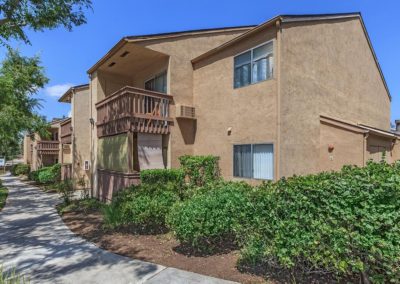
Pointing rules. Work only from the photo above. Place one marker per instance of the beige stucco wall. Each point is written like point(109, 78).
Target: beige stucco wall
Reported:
point(249, 111)
point(327, 68)
point(376, 146)
point(80, 106)
point(27, 148)
point(348, 148)
point(179, 52)
point(112, 153)
point(396, 150)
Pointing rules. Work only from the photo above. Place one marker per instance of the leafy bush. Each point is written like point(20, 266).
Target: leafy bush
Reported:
point(22, 169)
point(66, 191)
point(34, 176)
point(84, 205)
point(209, 218)
point(200, 170)
point(50, 174)
point(344, 223)
point(13, 169)
point(162, 176)
point(143, 207)
point(3, 195)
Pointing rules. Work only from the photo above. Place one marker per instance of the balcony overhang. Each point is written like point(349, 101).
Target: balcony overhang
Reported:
point(134, 109)
point(128, 58)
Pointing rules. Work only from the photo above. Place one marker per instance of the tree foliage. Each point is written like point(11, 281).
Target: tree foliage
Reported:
point(15, 15)
point(20, 78)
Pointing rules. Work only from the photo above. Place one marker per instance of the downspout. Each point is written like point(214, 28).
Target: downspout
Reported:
point(73, 135)
point(91, 137)
point(365, 142)
point(277, 63)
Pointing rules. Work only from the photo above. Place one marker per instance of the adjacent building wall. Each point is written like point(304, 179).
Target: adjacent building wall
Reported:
point(327, 68)
point(181, 50)
point(348, 148)
point(249, 112)
point(80, 106)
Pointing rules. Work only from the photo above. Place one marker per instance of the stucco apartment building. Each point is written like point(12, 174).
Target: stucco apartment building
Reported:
point(294, 95)
point(45, 151)
point(75, 134)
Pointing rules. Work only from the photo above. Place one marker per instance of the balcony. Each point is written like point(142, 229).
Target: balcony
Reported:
point(133, 109)
point(48, 147)
point(66, 131)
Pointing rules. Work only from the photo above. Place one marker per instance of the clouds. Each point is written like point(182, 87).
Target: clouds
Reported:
point(57, 91)
point(69, 113)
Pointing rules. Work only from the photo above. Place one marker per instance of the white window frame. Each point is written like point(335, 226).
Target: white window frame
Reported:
point(252, 157)
point(251, 64)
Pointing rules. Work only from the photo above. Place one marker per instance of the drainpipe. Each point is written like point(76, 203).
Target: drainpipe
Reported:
point(366, 135)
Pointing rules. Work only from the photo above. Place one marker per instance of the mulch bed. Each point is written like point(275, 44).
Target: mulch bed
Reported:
point(161, 249)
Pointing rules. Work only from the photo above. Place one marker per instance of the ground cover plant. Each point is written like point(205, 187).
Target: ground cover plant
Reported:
point(3, 195)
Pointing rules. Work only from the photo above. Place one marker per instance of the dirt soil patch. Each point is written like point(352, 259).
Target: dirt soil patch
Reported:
point(161, 249)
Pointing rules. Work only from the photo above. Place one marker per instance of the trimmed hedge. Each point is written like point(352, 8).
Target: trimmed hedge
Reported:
point(200, 170)
point(20, 169)
point(47, 175)
point(3, 195)
point(162, 176)
point(143, 207)
point(209, 218)
point(345, 224)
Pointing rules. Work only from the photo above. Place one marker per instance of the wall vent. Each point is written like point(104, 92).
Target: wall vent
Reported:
point(124, 54)
point(183, 111)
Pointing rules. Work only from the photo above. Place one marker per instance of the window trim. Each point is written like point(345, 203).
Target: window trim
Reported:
point(252, 166)
point(251, 63)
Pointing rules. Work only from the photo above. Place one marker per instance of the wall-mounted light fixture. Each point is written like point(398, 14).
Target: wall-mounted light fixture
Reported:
point(91, 120)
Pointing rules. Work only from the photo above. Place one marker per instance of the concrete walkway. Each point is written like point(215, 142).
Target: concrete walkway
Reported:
point(35, 241)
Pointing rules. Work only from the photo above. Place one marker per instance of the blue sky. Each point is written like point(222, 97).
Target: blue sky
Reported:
point(68, 55)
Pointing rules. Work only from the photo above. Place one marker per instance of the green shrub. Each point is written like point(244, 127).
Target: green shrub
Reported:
point(142, 207)
point(209, 218)
point(13, 169)
point(34, 176)
point(345, 223)
point(3, 195)
point(50, 174)
point(22, 169)
point(66, 191)
point(200, 170)
point(162, 176)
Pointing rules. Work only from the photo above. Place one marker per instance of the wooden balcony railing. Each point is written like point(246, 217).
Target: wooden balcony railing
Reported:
point(66, 131)
point(133, 109)
point(48, 147)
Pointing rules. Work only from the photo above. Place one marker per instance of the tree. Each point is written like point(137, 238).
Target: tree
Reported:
point(15, 15)
point(20, 78)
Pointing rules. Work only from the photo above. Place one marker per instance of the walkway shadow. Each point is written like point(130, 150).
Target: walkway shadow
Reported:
point(35, 241)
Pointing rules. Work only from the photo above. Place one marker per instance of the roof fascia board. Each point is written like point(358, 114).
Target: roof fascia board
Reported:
point(163, 36)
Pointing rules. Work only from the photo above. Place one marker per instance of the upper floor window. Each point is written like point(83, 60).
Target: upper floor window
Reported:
point(254, 66)
point(158, 83)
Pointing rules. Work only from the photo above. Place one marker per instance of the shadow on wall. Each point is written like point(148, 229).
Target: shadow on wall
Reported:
point(188, 128)
point(113, 153)
point(79, 164)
